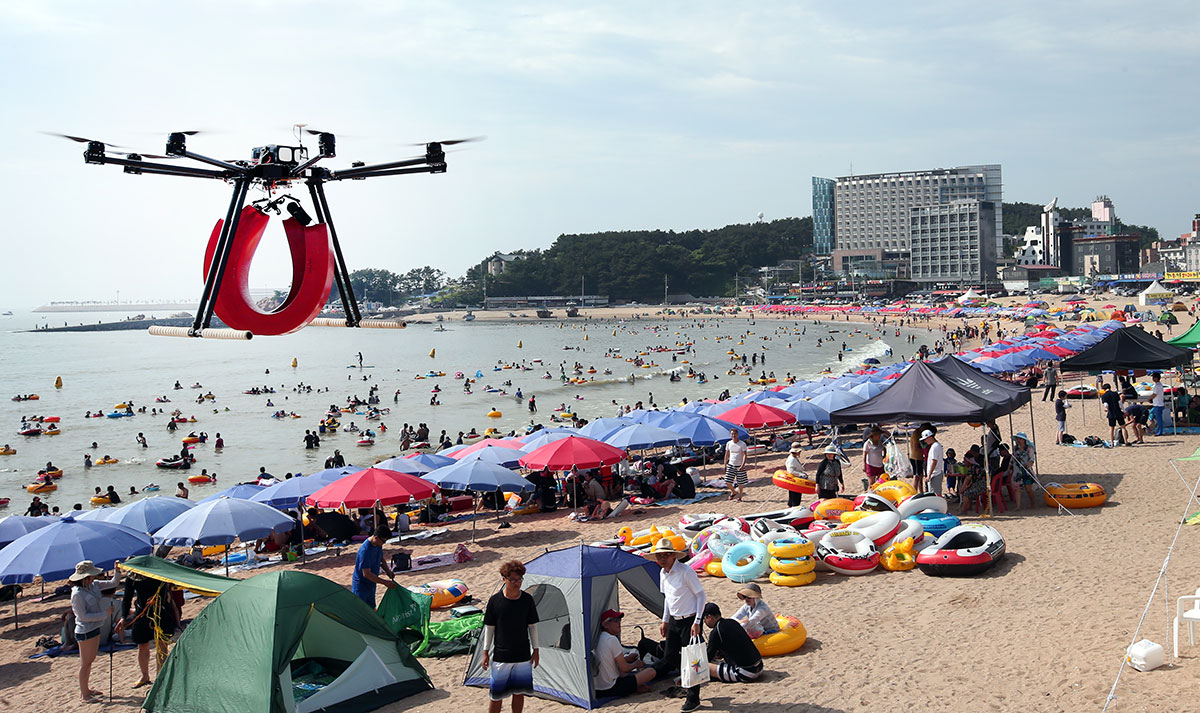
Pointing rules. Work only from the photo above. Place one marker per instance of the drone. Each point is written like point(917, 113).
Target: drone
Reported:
point(317, 260)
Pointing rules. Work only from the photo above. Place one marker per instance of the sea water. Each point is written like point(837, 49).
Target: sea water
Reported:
point(102, 369)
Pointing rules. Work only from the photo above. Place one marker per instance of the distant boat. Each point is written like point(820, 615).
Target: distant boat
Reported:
point(8, 314)
point(468, 317)
point(544, 313)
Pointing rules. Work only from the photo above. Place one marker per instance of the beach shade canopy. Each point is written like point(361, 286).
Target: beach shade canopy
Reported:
point(459, 453)
point(571, 589)
point(223, 522)
point(806, 412)
point(434, 460)
point(241, 491)
point(270, 630)
point(947, 391)
point(477, 476)
point(496, 455)
point(601, 427)
point(292, 492)
point(754, 415)
point(1128, 348)
point(835, 399)
point(157, 568)
point(14, 526)
point(52, 552)
point(578, 451)
point(702, 430)
point(370, 487)
point(1189, 339)
point(641, 436)
point(150, 514)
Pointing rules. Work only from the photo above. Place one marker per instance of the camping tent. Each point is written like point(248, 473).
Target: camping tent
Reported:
point(1189, 339)
point(286, 642)
point(947, 390)
point(1153, 293)
point(1128, 348)
point(572, 587)
point(969, 296)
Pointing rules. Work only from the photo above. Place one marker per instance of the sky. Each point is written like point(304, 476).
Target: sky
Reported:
point(598, 116)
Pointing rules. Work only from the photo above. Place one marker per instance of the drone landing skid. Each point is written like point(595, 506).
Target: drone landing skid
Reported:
point(312, 275)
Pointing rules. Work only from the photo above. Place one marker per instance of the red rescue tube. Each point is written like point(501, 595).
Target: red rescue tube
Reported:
point(312, 275)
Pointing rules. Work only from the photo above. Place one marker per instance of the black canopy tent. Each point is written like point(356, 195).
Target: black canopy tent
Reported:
point(946, 391)
point(1128, 348)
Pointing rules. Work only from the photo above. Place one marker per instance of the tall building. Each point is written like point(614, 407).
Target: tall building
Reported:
point(822, 212)
point(953, 242)
point(1105, 255)
point(871, 213)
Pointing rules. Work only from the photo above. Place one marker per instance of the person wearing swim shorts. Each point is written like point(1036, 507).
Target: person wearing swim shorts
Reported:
point(510, 650)
point(735, 465)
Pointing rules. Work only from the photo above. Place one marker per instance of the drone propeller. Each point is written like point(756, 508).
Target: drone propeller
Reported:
point(80, 139)
point(451, 142)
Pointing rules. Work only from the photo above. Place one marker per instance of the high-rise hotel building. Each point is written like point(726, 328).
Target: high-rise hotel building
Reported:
point(868, 228)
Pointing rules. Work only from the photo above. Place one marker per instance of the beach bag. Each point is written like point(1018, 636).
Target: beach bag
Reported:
point(693, 664)
point(1093, 441)
point(1068, 438)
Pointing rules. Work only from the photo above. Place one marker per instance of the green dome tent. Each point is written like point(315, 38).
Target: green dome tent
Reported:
point(286, 642)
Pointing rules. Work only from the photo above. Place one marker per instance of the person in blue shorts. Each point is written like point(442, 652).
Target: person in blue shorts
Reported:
point(368, 564)
point(510, 650)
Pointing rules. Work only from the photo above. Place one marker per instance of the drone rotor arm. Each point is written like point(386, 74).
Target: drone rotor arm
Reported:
point(160, 168)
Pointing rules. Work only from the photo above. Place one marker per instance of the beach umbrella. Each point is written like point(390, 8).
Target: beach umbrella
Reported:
point(601, 427)
point(868, 389)
point(291, 493)
point(150, 514)
point(223, 522)
point(241, 491)
point(496, 455)
point(546, 435)
point(578, 451)
point(98, 514)
point(642, 436)
point(51, 552)
point(371, 487)
point(653, 418)
point(870, 360)
point(407, 465)
point(695, 406)
point(755, 415)
point(14, 526)
point(485, 443)
point(331, 474)
point(475, 475)
point(703, 430)
point(835, 400)
point(433, 460)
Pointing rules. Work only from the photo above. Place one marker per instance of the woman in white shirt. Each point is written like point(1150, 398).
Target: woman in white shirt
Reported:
point(90, 609)
point(754, 615)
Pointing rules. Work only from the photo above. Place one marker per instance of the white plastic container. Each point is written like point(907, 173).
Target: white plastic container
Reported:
point(1146, 655)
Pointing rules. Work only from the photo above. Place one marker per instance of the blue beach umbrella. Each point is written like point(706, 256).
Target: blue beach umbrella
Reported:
point(653, 418)
point(601, 427)
point(98, 514)
point(410, 466)
point(478, 477)
point(150, 514)
point(835, 400)
point(496, 455)
point(291, 493)
point(433, 460)
point(241, 491)
point(869, 389)
point(547, 435)
point(14, 526)
point(52, 552)
point(702, 430)
point(806, 412)
point(642, 436)
point(331, 474)
point(222, 522)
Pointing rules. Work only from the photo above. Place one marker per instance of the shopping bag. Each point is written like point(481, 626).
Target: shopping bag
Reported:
point(693, 664)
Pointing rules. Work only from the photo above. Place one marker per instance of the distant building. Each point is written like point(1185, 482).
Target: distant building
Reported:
point(953, 242)
point(1019, 278)
point(497, 262)
point(823, 215)
point(870, 213)
point(1057, 236)
point(1032, 250)
point(1107, 255)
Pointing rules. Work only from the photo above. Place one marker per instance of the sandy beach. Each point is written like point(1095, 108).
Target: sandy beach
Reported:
point(1046, 630)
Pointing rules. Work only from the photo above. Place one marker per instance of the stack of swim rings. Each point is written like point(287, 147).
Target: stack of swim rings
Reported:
point(792, 562)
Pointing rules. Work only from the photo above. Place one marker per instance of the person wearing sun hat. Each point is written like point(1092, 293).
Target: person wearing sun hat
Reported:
point(829, 474)
point(935, 461)
point(1023, 456)
point(685, 600)
point(91, 609)
point(754, 615)
point(618, 673)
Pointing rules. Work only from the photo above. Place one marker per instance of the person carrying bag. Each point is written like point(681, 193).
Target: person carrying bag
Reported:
point(693, 663)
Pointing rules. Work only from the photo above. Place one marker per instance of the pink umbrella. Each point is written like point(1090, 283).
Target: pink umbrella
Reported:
point(371, 487)
point(756, 415)
point(577, 451)
point(486, 443)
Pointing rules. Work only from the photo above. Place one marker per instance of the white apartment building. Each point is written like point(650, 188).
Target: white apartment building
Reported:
point(953, 242)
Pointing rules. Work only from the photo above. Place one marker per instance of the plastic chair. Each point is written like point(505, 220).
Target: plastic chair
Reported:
point(998, 486)
point(1191, 617)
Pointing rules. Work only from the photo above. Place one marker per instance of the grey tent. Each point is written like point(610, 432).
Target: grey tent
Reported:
point(948, 391)
point(1128, 348)
point(572, 587)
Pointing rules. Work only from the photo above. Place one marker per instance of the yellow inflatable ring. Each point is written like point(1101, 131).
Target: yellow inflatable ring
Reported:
point(894, 490)
point(791, 636)
point(494, 414)
point(854, 516)
point(833, 508)
point(899, 557)
point(791, 548)
point(714, 568)
point(8, 451)
point(97, 500)
point(107, 461)
point(1075, 495)
point(793, 565)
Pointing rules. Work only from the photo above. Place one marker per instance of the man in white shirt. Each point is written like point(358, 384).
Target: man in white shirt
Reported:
point(935, 462)
point(735, 465)
point(1156, 406)
point(618, 673)
point(685, 600)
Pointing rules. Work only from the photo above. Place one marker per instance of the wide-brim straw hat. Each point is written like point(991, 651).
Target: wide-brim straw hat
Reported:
point(664, 545)
point(83, 570)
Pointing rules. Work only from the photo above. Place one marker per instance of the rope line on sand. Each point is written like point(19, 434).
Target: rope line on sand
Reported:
point(1162, 572)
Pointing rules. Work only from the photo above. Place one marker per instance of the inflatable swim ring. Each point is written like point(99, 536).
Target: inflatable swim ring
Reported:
point(791, 636)
point(445, 593)
point(936, 523)
point(796, 565)
point(200, 479)
point(794, 483)
point(100, 500)
point(792, 580)
point(832, 508)
point(700, 561)
point(55, 473)
point(190, 439)
point(791, 547)
point(722, 539)
point(922, 502)
point(714, 569)
point(898, 557)
point(848, 552)
point(745, 561)
point(849, 518)
point(8, 451)
point(1075, 495)
point(963, 551)
point(152, 488)
point(873, 502)
point(881, 527)
point(106, 461)
point(41, 487)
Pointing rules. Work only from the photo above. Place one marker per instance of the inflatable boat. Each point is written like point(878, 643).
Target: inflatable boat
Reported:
point(963, 551)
